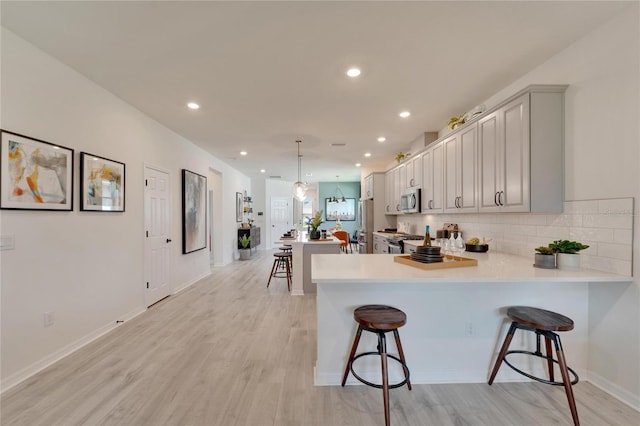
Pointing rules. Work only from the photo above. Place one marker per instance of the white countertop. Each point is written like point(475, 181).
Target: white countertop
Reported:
point(492, 267)
point(303, 238)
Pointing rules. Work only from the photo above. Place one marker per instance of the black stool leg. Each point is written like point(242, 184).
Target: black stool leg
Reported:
point(503, 352)
point(396, 335)
point(382, 348)
point(567, 381)
point(354, 347)
point(275, 265)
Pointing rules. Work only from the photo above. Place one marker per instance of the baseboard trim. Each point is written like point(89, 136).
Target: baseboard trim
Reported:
point(23, 374)
point(615, 391)
point(188, 284)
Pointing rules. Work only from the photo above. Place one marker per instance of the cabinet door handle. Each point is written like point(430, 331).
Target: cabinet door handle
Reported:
point(168, 240)
point(397, 207)
point(460, 202)
point(411, 182)
point(500, 198)
point(456, 203)
point(495, 198)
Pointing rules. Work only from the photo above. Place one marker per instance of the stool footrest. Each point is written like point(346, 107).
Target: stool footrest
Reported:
point(391, 386)
point(539, 379)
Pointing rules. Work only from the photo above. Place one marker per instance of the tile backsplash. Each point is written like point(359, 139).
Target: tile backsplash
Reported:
point(606, 226)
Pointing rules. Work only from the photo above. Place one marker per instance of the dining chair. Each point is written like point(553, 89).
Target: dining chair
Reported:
point(343, 236)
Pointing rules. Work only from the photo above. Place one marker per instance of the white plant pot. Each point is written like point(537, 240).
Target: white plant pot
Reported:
point(568, 261)
point(245, 254)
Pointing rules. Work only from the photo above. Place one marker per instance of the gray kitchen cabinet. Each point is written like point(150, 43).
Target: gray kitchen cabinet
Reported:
point(433, 179)
point(520, 153)
point(460, 164)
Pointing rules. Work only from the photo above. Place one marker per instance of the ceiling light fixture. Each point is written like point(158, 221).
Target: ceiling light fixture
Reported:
point(367, 154)
point(262, 170)
point(382, 139)
point(404, 114)
point(353, 72)
point(193, 105)
point(243, 152)
point(358, 164)
point(299, 188)
point(335, 198)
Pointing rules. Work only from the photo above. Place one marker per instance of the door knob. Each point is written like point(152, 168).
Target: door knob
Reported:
point(168, 240)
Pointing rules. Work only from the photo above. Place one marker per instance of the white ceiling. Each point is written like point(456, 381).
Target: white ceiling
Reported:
point(268, 73)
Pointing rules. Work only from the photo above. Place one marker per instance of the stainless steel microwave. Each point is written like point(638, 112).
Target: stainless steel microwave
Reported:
point(410, 201)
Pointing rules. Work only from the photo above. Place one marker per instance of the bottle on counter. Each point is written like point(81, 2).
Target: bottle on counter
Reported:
point(427, 237)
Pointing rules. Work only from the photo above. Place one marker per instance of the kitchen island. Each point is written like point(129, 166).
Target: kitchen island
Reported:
point(455, 317)
point(302, 249)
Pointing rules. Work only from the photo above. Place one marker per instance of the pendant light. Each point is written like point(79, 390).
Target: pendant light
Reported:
point(335, 198)
point(299, 188)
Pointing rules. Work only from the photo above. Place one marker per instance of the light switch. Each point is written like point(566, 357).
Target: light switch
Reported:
point(7, 242)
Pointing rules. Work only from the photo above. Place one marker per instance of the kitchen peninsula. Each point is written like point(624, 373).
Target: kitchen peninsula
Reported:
point(302, 249)
point(455, 317)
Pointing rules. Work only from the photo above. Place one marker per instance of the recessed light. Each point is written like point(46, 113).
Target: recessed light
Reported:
point(308, 174)
point(358, 164)
point(382, 139)
point(404, 114)
point(243, 152)
point(367, 154)
point(193, 105)
point(262, 170)
point(353, 72)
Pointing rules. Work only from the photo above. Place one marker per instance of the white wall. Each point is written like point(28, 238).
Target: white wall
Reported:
point(602, 155)
point(87, 267)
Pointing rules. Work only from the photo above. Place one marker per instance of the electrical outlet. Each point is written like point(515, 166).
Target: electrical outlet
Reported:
point(49, 318)
point(469, 329)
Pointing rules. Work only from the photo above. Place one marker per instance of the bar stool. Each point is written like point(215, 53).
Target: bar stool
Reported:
point(379, 319)
point(543, 323)
point(281, 261)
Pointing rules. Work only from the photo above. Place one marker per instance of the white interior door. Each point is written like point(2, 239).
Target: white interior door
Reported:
point(280, 217)
point(157, 221)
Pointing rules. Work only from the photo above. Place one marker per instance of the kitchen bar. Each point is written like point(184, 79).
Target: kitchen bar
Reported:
point(455, 317)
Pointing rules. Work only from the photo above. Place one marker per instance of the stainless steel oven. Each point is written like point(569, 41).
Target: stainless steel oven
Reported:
point(394, 247)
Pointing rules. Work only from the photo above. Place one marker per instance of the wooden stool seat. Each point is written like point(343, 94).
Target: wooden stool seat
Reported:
point(543, 323)
point(540, 319)
point(379, 319)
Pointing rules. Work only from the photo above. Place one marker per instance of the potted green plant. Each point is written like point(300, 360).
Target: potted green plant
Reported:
point(567, 253)
point(545, 258)
point(314, 223)
point(245, 247)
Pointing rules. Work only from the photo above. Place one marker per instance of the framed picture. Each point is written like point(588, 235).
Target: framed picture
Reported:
point(34, 174)
point(101, 184)
point(343, 210)
point(239, 206)
point(194, 211)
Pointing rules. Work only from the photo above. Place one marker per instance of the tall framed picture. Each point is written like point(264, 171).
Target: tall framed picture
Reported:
point(34, 174)
point(343, 210)
point(239, 206)
point(101, 184)
point(194, 211)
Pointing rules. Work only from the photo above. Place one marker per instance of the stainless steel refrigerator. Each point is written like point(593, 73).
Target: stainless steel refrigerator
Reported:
point(365, 226)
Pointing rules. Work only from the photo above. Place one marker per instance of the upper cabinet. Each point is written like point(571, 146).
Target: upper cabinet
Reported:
point(414, 172)
point(367, 193)
point(460, 160)
point(433, 179)
point(520, 154)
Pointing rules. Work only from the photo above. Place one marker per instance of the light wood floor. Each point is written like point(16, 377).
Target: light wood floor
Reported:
point(229, 351)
